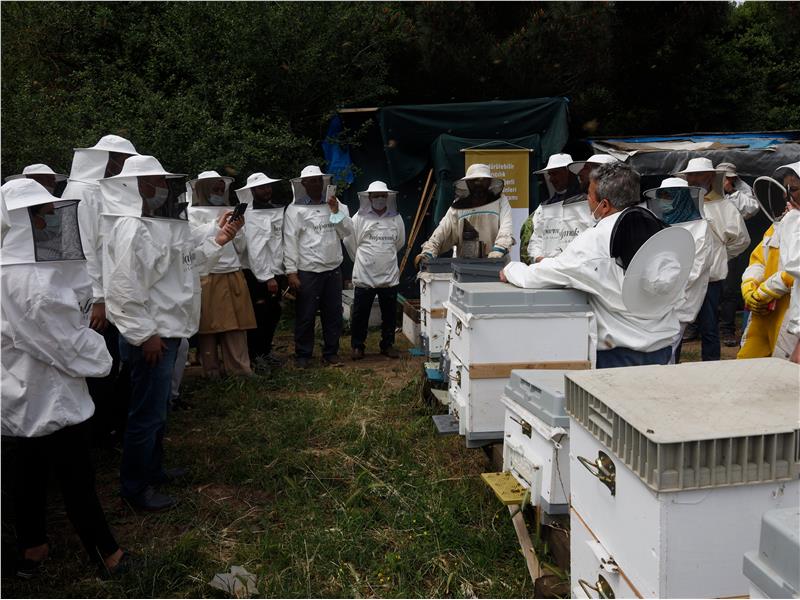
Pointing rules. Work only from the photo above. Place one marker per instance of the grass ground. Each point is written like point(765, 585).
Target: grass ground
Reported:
point(324, 483)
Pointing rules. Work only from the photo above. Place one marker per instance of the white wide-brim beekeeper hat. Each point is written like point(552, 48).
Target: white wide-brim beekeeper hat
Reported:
point(556, 161)
point(595, 159)
point(37, 169)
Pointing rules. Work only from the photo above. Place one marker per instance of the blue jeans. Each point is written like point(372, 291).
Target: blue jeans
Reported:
point(708, 322)
point(143, 444)
point(625, 357)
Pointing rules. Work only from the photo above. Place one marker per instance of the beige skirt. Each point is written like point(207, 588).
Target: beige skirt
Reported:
point(225, 304)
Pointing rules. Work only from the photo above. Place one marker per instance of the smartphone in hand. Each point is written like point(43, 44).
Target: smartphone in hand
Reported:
point(238, 211)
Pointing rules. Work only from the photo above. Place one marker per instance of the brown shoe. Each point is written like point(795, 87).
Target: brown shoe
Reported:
point(391, 352)
point(332, 361)
point(358, 353)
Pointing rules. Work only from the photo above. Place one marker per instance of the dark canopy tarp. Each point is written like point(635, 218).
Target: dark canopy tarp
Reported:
point(448, 164)
point(409, 131)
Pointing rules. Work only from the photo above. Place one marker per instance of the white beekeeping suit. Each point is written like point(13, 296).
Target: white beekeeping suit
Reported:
point(42, 174)
point(151, 262)
point(209, 197)
point(790, 258)
point(89, 165)
point(678, 204)
point(588, 265)
point(481, 203)
point(726, 224)
point(547, 218)
point(47, 348)
point(264, 228)
point(311, 233)
point(379, 234)
point(742, 195)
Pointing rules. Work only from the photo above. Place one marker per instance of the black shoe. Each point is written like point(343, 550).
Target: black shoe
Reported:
point(301, 362)
point(332, 361)
point(28, 569)
point(171, 475)
point(729, 340)
point(180, 404)
point(125, 565)
point(358, 353)
point(151, 501)
point(391, 352)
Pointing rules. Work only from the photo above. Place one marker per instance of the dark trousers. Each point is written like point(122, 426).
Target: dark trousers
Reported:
point(625, 357)
point(362, 306)
point(708, 322)
point(323, 292)
point(267, 309)
point(732, 301)
point(109, 394)
point(143, 444)
point(66, 453)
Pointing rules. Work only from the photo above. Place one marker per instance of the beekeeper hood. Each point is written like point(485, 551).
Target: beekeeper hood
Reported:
point(209, 189)
point(704, 165)
point(144, 189)
point(555, 163)
point(656, 278)
point(263, 192)
point(675, 201)
point(793, 190)
point(42, 174)
point(377, 201)
point(104, 159)
point(311, 186)
point(42, 227)
point(477, 187)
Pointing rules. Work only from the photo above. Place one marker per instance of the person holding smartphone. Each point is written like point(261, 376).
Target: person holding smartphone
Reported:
point(314, 226)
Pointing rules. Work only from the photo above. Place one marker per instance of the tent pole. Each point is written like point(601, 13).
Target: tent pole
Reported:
point(416, 218)
point(416, 231)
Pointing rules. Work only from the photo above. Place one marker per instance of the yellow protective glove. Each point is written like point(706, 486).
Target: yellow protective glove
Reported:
point(758, 301)
point(748, 287)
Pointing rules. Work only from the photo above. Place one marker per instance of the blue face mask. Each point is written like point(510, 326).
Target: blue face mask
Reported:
point(216, 199)
point(53, 221)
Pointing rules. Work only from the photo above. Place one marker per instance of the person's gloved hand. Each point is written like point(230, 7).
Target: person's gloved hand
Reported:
point(422, 258)
point(294, 281)
point(758, 301)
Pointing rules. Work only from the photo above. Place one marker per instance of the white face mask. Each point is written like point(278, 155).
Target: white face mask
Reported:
point(158, 199)
point(595, 218)
point(216, 199)
point(379, 203)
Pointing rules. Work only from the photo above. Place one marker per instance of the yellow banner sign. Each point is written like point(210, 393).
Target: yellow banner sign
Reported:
point(510, 165)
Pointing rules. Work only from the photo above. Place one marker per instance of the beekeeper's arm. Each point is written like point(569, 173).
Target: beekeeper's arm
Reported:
point(401, 233)
point(443, 238)
point(757, 291)
point(89, 222)
point(351, 242)
point(505, 234)
point(291, 245)
point(572, 268)
point(52, 331)
point(735, 234)
point(340, 217)
point(536, 245)
point(209, 246)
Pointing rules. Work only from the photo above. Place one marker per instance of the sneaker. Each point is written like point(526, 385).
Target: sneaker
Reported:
point(151, 501)
point(358, 353)
point(301, 362)
point(332, 361)
point(391, 352)
point(729, 340)
point(180, 404)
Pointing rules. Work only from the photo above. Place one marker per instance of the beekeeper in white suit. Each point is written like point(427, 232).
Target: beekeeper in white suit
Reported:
point(788, 344)
point(730, 240)
point(379, 234)
point(588, 264)
point(41, 174)
point(737, 191)
point(678, 204)
point(226, 312)
point(47, 352)
point(151, 266)
point(313, 228)
point(263, 260)
point(479, 205)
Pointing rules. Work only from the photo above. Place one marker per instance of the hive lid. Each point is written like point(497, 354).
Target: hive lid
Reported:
point(477, 270)
point(437, 265)
point(540, 392)
point(695, 424)
point(503, 298)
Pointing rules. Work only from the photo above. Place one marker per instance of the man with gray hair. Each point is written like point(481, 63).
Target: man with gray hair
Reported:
point(587, 264)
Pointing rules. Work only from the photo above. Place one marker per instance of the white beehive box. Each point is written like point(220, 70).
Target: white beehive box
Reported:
point(536, 442)
point(496, 328)
point(434, 289)
point(774, 569)
point(671, 467)
point(348, 299)
point(411, 322)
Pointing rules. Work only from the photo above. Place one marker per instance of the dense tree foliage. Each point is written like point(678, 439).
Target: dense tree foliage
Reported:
point(251, 86)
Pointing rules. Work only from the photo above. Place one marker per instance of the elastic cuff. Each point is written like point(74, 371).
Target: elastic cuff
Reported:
point(499, 249)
